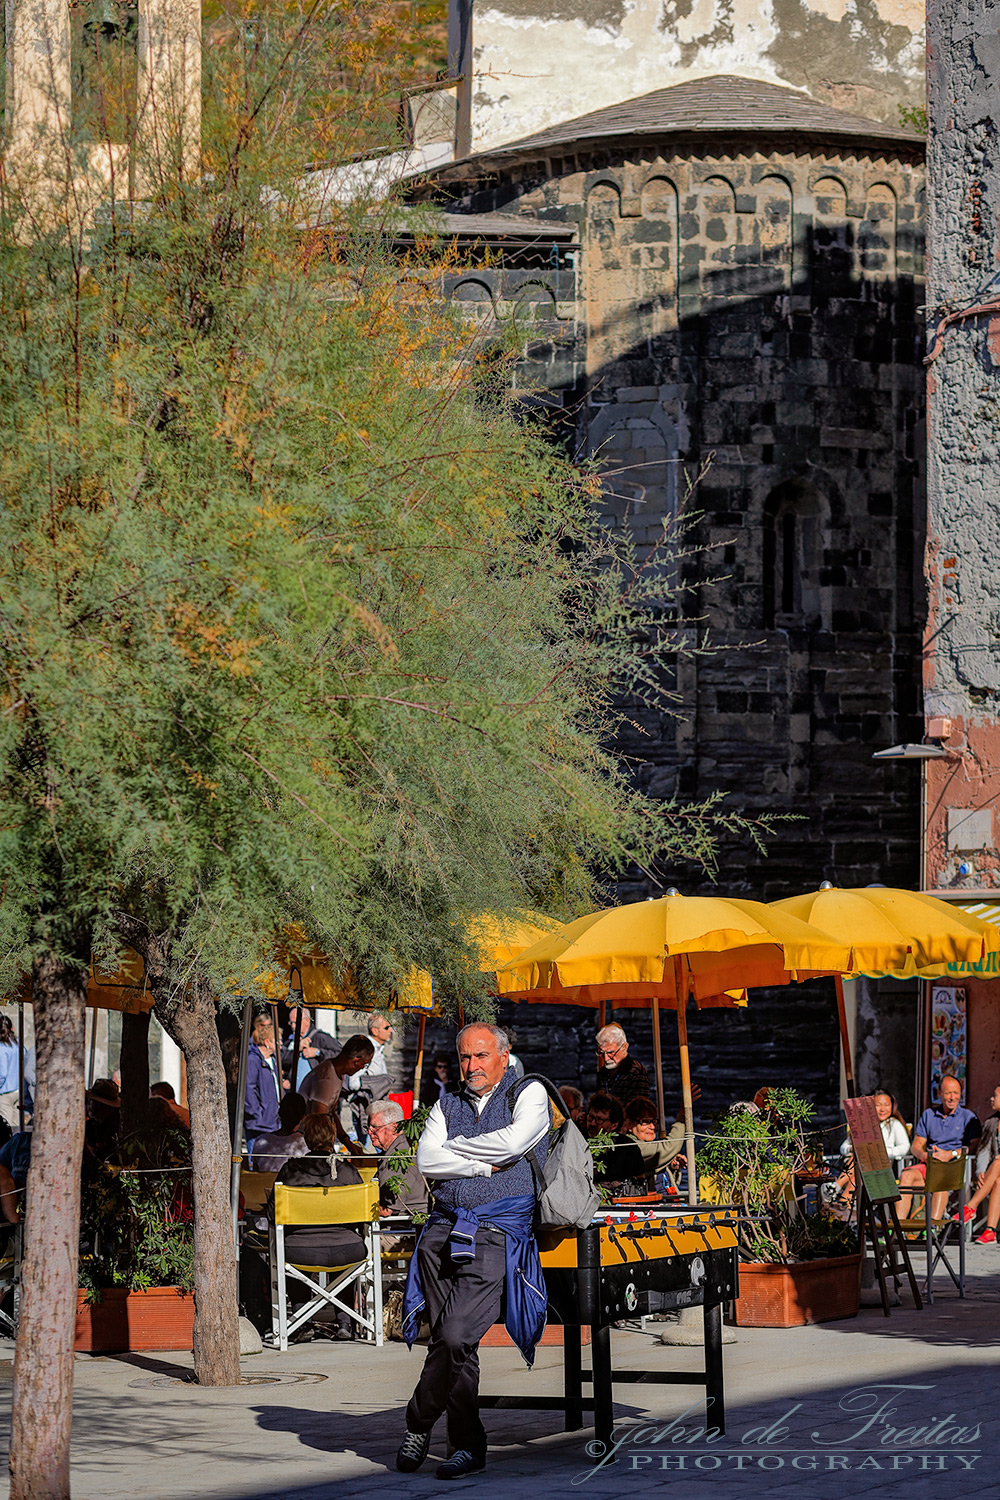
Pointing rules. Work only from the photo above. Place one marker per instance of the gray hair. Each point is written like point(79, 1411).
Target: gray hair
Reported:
point(612, 1033)
point(496, 1032)
point(389, 1110)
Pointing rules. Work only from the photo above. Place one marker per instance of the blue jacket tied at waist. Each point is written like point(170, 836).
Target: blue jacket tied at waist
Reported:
point(525, 1284)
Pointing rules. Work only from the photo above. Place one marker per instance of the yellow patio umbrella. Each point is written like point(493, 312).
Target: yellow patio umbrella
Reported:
point(664, 951)
point(902, 934)
point(122, 989)
point(500, 939)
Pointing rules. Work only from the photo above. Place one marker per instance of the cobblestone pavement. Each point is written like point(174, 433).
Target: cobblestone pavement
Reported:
point(871, 1405)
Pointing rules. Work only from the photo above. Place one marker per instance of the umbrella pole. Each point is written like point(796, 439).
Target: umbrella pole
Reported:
point(277, 1047)
point(602, 1014)
point(241, 1099)
point(682, 1041)
point(92, 1057)
point(658, 1064)
point(20, 1065)
point(418, 1066)
point(296, 1044)
point(845, 1040)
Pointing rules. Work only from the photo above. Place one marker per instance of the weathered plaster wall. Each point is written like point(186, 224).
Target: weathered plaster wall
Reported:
point(984, 1042)
point(962, 657)
point(541, 61)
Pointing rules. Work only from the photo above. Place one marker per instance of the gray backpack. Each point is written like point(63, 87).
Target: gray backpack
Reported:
point(567, 1198)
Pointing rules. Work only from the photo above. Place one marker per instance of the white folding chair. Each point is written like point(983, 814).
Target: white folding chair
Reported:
point(10, 1277)
point(314, 1206)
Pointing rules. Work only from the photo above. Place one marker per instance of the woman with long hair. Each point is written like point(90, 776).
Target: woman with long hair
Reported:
point(10, 1074)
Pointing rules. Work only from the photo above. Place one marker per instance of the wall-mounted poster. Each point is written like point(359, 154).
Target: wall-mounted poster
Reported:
point(949, 1037)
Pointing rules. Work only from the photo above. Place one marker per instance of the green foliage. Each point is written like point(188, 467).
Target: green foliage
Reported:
point(753, 1155)
point(137, 1231)
point(913, 117)
point(603, 1141)
point(819, 1236)
point(414, 1126)
point(293, 630)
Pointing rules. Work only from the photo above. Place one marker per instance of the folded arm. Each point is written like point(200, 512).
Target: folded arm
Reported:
point(436, 1156)
point(477, 1156)
point(500, 1148)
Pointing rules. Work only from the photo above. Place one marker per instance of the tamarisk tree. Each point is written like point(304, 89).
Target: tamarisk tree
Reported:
point(294, 628)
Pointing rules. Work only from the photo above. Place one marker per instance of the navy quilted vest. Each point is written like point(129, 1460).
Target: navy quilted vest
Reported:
point(514, 1182)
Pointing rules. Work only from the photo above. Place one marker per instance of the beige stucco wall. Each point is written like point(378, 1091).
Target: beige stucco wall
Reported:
point(541, 61)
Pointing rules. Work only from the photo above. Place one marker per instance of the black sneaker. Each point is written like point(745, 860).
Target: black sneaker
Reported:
point(460, 1463)
point(412, 1451)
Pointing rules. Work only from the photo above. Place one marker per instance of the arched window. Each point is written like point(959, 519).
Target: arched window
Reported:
point(793, 519)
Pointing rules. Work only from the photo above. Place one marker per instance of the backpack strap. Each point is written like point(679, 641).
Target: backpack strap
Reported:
point(531, 1157)
point(547, 1084)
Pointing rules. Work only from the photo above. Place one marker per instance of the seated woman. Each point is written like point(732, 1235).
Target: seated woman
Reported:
point(320, 1244)
point(897, 1144)
point(641, 1120)
point(631, 1166)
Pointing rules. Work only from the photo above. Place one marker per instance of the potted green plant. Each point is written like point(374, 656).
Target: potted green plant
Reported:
point(795, 1268)
point(137, 1247)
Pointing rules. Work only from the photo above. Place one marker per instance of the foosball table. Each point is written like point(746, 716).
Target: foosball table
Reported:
point(629, 1262)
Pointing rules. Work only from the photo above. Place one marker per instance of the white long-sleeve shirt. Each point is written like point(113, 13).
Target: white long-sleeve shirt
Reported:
point(476, 1156)
point(897, 1142)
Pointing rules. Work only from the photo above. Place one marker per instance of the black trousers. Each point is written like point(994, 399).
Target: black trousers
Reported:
point(463, 1301)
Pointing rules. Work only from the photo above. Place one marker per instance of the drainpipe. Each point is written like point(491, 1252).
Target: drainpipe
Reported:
point(460, 67)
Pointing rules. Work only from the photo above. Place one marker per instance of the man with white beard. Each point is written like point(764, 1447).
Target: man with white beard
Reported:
point(619, 1075)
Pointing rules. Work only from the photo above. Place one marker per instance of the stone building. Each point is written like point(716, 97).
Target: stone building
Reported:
point(739, 301)
point(724, 279)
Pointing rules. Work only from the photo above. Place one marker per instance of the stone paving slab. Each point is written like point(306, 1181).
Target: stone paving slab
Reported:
point(896, 1406)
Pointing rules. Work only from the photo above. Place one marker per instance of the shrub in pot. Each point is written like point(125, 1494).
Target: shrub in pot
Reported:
point(795, 1268)
point(137, 1248)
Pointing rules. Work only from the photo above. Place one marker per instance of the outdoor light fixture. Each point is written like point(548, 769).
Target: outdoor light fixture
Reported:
point(912, 752)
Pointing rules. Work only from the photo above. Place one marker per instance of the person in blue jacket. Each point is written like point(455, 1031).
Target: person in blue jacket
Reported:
point(477, 1244)
point(260, 1111)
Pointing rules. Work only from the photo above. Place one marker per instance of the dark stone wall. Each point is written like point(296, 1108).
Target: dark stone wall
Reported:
point(746, 323)
point(786, 1037)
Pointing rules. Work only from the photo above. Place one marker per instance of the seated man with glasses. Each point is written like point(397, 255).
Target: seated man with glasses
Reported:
point(619, 1075)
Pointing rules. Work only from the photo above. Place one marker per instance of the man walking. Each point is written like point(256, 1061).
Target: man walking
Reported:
point(372, 1082)
point(478, 1238)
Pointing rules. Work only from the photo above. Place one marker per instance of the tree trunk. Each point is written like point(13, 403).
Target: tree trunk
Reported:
point(191, 1023)
point(43, 1359)
point(135, 1071)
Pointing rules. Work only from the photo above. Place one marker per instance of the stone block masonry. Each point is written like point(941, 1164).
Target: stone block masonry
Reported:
point(747, 319)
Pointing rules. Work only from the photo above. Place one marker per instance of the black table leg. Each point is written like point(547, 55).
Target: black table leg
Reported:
point(715, 1401)
point(573, 1386)
point(604, 1406)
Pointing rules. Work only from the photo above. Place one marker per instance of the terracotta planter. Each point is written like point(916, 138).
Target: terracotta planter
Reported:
point(497, 1337)
point(161, 1318)
point(809, 1291)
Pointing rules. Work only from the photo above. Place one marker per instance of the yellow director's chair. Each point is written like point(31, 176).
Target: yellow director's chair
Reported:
point(356, 1206)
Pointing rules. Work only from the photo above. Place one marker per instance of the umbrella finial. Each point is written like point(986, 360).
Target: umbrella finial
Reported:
point(827, 885)
point(672, 891)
